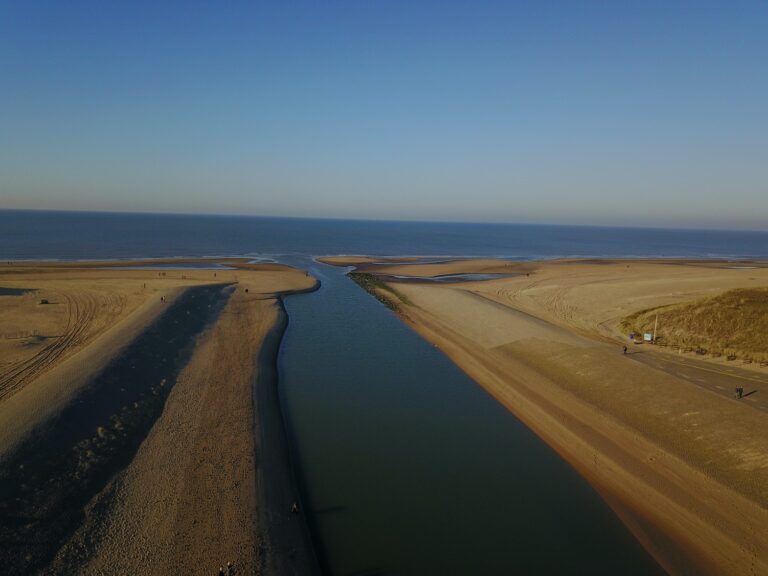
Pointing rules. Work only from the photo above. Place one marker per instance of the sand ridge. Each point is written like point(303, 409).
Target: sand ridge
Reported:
point(188, 500)
point(429, 267)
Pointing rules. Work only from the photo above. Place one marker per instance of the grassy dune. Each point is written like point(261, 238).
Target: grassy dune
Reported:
point(734, 323)
point(374, 286)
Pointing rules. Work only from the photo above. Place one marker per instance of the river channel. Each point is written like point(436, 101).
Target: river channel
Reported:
point(408, 467)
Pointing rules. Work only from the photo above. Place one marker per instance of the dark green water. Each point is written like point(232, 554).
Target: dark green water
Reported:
point(408, 467)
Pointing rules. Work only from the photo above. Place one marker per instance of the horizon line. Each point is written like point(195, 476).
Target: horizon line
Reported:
point(382, 220)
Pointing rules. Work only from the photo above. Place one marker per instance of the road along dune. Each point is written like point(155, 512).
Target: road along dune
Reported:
point(685, 467)
point(150, 429)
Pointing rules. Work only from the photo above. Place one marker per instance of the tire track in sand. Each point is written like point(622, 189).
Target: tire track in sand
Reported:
point(81, 311)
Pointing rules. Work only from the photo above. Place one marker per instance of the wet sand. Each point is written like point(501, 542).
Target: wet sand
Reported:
point(191, 497)
point(436, 266)
point(286, 547)
point(685, 468)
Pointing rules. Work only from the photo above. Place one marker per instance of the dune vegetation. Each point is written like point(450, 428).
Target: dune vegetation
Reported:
point(374, 286)
point(733, 324)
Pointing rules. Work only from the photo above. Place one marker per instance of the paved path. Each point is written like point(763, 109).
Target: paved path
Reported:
point(720, 379)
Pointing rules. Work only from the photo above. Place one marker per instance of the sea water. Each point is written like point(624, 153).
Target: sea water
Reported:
point(72, 235)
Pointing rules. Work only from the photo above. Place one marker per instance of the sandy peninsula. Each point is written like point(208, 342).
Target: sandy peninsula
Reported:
point(658, 432)
point(193, 496)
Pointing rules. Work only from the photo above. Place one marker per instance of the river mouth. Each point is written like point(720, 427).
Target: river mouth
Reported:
point(408, 467)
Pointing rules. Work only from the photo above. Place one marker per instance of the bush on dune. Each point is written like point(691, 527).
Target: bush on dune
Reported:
point(733, 323)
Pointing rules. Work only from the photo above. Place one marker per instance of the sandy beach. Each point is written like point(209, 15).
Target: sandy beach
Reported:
point(657, 432)
point(191, 498)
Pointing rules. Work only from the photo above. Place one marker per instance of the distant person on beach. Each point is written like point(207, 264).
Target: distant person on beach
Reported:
point(294, 508)
point(739, 392)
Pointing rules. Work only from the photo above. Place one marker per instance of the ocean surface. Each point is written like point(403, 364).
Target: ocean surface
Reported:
point(70, 235)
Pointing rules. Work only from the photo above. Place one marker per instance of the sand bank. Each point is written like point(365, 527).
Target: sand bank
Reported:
point(428, 267)
point(352, 260)
point(684, 467)
point(191, 498)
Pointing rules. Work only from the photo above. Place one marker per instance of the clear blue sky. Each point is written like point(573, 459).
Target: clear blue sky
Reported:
point(628, 113)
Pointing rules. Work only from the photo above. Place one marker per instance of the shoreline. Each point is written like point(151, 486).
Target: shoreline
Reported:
point(287, 538)
point(362, 262)
point(271, 259)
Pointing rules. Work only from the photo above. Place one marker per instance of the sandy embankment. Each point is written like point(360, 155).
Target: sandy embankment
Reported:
point(414, 266)
point(188, 501)
point(352, 260)
point(684, 467)
point(91, 317)
point(286, 545)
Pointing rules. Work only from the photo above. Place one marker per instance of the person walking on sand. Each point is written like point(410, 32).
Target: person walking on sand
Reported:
point(739, 392)
point(294, 508)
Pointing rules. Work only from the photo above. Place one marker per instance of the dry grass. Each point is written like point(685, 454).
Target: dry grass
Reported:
point(734, 323)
